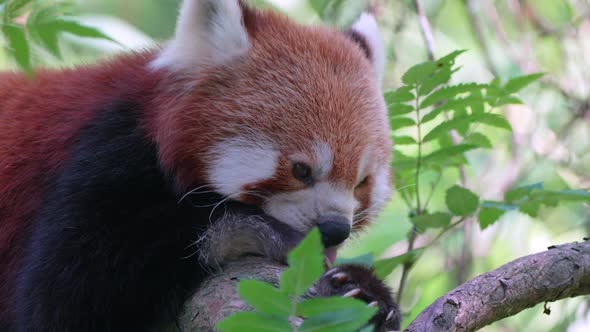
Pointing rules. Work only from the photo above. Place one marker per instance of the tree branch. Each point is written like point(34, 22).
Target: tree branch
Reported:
point(218, 298)
point(560, 272)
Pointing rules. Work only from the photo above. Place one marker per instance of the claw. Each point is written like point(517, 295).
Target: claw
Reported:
point(389, 315)
point(373, 304)
point(339, 277)
point(352, 293)
point(334, 270)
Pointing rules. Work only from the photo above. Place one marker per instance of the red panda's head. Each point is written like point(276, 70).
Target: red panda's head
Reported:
point(287, 117)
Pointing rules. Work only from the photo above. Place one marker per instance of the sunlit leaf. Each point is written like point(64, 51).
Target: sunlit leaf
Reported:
point(518, 83)
point(385, 267)
point(449, 92)
point(480, 140)
point(418, 73)
point(16, 8)
point(489, 119)
point(446, 153)
point(400, 95)
point(18, 45)
point(264, 298)
point(398, 123)
point(399, 109)
point(319, 305)
point(461, 201)
point(454, 104)
point(346, 320)
point(404, 140)
point(431, 220)
point(253, 321)
point(488, 216)
point(306, 265)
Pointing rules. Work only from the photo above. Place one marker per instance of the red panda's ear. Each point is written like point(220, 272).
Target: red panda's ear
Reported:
point(208, 33)
point(366, 33)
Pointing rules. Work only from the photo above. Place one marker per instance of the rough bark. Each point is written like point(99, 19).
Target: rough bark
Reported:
point(217, 298)
point(560, 272)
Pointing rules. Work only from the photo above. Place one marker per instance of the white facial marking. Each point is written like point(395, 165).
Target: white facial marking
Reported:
point(301, 209)
point(323, 157)
point(366, 25)
point(208, 32)
point(238, 162)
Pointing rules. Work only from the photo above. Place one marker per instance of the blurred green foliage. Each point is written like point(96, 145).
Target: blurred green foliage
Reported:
point(501, 170)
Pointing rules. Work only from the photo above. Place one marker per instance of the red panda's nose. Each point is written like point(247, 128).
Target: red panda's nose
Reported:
point(334, 229)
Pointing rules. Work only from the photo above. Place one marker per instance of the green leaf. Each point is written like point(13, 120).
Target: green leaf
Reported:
point(508, 100)
point(518, 83)
point(385, 267)
point(365, 260)
point(404, 140)
point(449, 92)
point(265, 298)
point(78, 29)
point(349, 320)
point(398, 123)
point(418, 73)
point(480, 140)
point(450, 58)
point(478, 106)
point(530, 208)
point(454, 104)
point(461, 201)
point(400, 95)
point(399, 109)
point(47, 35)
point(447, 153)
point(15, 8)
point(489, 119)
point(306, 265)
point(320, 305)
point(320, 6)
point(253, 322)
point(492, 120)
point(442, 74)
point(431, 220)
point(488, 216)
point(18, 45)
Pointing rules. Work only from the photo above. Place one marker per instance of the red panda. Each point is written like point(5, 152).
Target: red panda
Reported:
point(238, 136)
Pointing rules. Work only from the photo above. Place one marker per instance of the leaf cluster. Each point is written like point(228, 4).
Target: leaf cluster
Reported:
point(26, 24)
point(278, 309)
point(440, 122)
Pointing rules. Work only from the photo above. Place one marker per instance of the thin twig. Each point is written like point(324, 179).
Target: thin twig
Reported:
point(426, 30)
point(407, 265)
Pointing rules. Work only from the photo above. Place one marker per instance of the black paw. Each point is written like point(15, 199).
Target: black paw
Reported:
point(360, 282)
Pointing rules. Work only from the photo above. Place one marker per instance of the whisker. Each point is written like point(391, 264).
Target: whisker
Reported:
point(192, 191)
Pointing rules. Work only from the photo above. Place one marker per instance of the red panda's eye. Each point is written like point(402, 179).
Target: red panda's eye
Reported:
point(302, 172)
